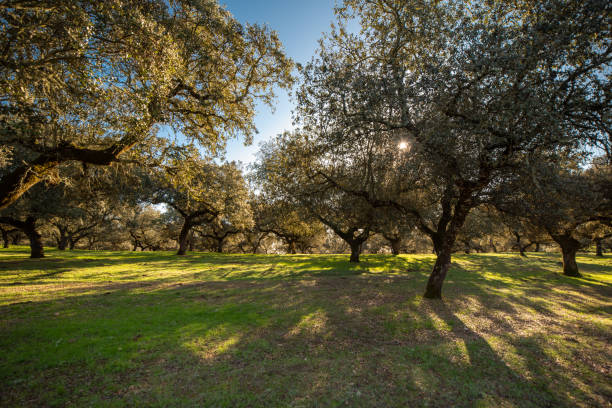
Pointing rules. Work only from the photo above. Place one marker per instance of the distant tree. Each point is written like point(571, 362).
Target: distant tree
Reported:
point(75, 212)
point(28, 214)
point(578, 200)
point(233, 221)
point(293, 225)
point(6, 231)
point(393, 227)
point(94, 81)
point(290, 172)
point(253, 238)
point(523, 233)
point(597, 232)
point(199, 190)
point(144, 225)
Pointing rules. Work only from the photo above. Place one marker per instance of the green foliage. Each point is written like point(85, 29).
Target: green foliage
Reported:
point(89, 80)
point(433, 105)
point(192, 184)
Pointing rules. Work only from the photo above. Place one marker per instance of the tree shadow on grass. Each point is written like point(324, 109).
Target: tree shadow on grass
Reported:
point(362, 340)
point(205, 266)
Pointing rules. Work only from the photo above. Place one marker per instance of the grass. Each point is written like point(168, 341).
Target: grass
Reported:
point(116, 329)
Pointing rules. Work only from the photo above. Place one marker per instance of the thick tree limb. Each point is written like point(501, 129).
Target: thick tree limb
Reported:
point(15, 184)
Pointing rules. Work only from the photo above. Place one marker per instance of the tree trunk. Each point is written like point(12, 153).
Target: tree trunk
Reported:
point(569, 247)
point(395, 246)
point(537, 247)
point(443, 247)
point(521, 249)
point(219, 246)
point(438, 274)
point(598, 247)
point(292, 247)
point(183, 237)
point(36, 246)
point(29, 228)
point(355, 251)
point(62, 242)
point(5, 238)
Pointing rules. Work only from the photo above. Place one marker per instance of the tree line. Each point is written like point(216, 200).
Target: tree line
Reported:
point(443, 126)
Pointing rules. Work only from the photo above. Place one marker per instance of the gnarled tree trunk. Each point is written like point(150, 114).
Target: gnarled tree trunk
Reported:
point(569, 248)
point(433, 290)
point(36, 246)
point(183, 240)
point(355, 251)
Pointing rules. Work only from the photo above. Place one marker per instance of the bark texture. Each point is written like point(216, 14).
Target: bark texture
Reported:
point(433, 290)
point(569, 248)
point(184, 238)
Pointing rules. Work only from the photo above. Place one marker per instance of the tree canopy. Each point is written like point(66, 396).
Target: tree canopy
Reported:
point(98, 82)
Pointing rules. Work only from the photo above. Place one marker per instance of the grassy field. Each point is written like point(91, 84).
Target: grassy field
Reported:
point(117, 329)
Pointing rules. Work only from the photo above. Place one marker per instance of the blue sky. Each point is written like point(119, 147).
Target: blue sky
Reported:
point(300, 25)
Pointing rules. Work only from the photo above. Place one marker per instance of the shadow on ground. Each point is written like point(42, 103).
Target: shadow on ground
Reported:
point(508, 333)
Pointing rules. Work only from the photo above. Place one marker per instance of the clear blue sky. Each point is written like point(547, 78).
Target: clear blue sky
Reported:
point(299, 24)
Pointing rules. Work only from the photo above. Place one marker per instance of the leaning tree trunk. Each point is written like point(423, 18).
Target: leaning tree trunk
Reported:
point(355, 251)
point(440, 269)
point(598, 247)
point(183, 240)
point(569, 248)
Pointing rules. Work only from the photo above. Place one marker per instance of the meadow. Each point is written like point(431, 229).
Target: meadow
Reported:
point(151, 329)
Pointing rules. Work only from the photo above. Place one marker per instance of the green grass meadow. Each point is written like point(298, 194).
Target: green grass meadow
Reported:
point(134, 329)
